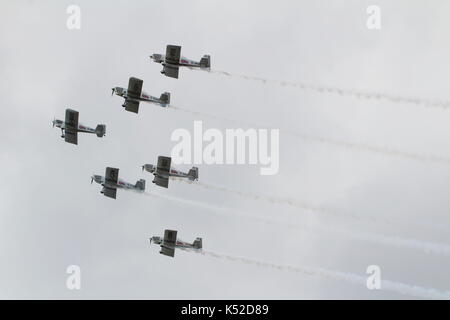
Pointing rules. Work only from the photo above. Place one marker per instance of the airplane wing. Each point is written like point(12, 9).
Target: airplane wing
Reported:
point(167, 251)
point(71, 118)
point(112, 175)
point(71, 136)
point(173, 54)
point(109, 192)
point(131, 105)
point(162, 169)
point(169, 242)
point(163, 165)
point(134, 88)
point(161, 181)
point(171, 71)
point(71, 122)
point(170, 237)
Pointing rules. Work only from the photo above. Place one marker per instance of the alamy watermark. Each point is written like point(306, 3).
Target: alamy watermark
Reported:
point(73, 281)
point(374, 19)
point(374, 279)
point(74, 19)
point(235, 146)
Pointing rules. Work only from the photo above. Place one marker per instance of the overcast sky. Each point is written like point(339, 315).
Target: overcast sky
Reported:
point(51, 217)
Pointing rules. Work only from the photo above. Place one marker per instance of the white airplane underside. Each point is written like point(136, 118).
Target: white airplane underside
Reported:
point(70, 127)
point(111, 183)
point(163, 171)
point(172, 61)
point(170, 242)
point(134, 95)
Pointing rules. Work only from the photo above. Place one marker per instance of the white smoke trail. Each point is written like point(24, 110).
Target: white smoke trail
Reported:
point(359, 94)
point(359, 146)
point(424, 246)
point(397, 287)
point(374, 149)
point(306, 206)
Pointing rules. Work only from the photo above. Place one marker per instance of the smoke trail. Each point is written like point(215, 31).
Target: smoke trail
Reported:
point(375, 149)
point(304, 206)
point(334, 142)
point(397, 287)
point(359, 94)
point(424, 246)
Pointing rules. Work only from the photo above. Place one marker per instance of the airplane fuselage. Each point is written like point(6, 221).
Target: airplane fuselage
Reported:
point(176, 173)
point(184, 62)
point(172, 173)
point(81, 128)
point(179, 244)
point(119, 185)
point(145, 97)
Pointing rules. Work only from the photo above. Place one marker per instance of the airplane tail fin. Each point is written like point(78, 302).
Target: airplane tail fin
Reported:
point(198, 243)
point(140, 185)
point(100, 130)
point(193, 174)
point(205, 62)
point(165, 98)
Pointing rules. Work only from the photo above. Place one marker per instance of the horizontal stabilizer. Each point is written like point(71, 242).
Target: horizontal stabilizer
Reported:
point(100, 130)
point(193, 174)
point(165, 98)
point(205, 62)
point(198, 243)
point(140, 184)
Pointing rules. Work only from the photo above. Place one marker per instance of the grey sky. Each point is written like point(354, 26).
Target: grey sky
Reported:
point(51, 217)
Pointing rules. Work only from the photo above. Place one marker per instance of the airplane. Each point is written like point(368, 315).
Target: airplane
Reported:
point(70, 127)
point(134, 94)
point(170, 242)
point(172, 61)
point(163, 171)
point(111, 183)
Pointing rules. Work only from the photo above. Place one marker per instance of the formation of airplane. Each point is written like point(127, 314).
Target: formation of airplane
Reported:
point(111, 183)
point(163, 171)
point(172, 61)
point(134, 94)
point(170, 242)
point(70, 127)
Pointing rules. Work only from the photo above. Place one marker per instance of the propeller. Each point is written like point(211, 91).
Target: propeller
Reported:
point(150, 240)
point(92, 178)
point(112, 91)
point(143, 167)
point(54, 120)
